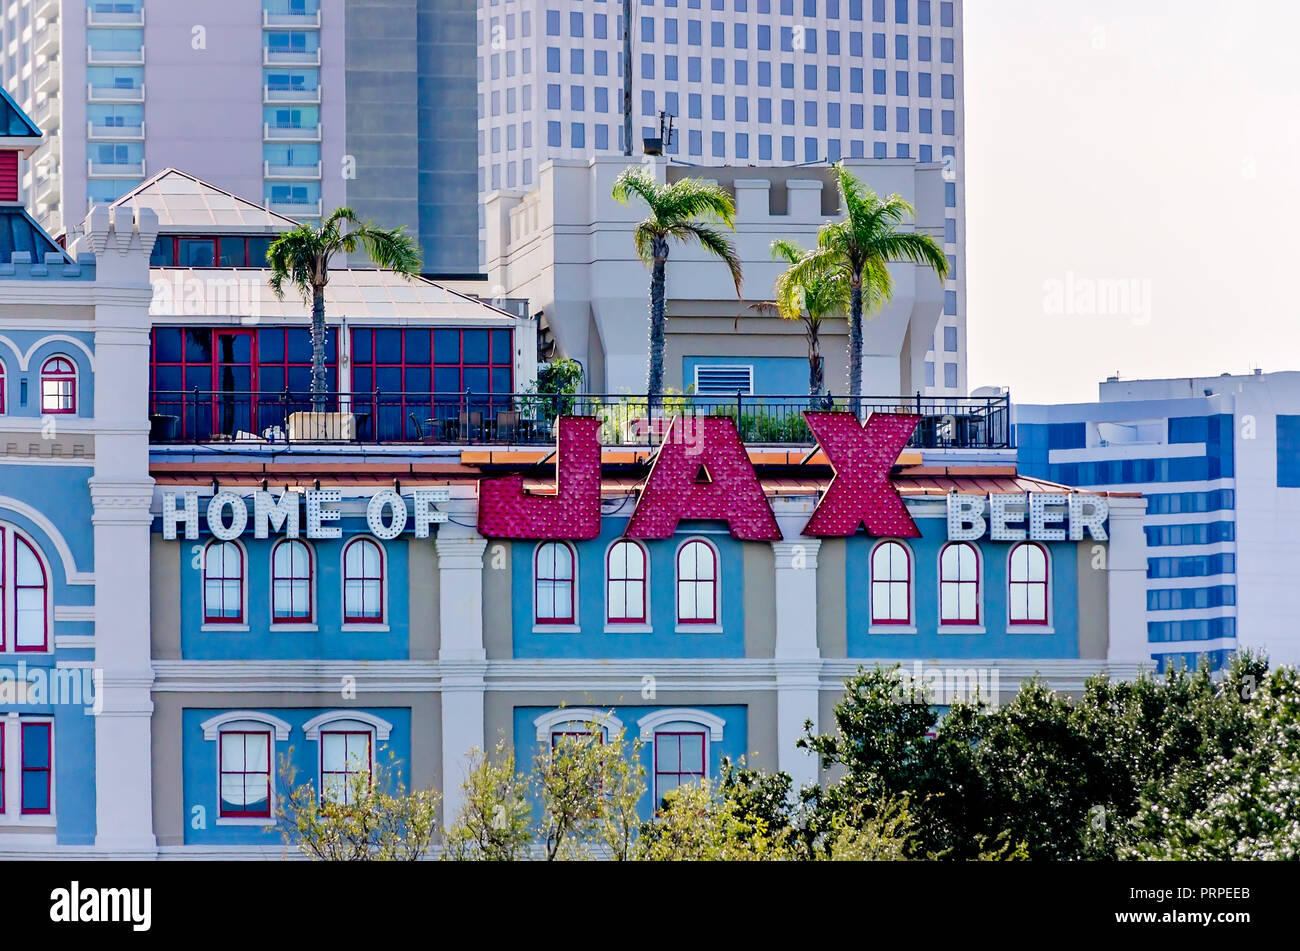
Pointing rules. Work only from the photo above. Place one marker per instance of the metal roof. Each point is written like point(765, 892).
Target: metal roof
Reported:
point(188, 205)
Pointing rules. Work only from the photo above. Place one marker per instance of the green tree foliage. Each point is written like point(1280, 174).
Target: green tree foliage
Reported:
point(495, 821)
point(366, 822)
point(588, 786)
point(1056, 778)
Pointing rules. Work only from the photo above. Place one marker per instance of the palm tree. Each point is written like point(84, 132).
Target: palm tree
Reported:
point(301, 258)
point(862, 245)
point(681, 211)
point(820, 294)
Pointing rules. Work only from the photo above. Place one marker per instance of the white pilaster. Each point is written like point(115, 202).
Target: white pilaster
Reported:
point(462, 659)
point(1126, 567)
point(798, 659)
point(121, 493)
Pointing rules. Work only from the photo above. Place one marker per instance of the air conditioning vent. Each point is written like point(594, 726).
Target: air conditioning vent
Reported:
point(724, 380)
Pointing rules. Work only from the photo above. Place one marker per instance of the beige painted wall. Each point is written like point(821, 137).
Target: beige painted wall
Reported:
point(1094, 612)
point(760, 601)
point(498, 619)
point(423, 583)
point(164, 597)
point(832, 619)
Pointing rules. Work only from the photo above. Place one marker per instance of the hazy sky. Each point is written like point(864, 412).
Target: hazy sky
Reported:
point(1138, 156)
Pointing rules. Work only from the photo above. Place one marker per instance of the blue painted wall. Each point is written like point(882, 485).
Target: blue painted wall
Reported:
point(199, 767)
point(999, 641)
point(775, 376)
point(664, 641)
point(330, 641)
point(14, 342)
point(734, 742)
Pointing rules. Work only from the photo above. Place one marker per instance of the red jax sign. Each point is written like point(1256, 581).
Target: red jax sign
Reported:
point(710, 477)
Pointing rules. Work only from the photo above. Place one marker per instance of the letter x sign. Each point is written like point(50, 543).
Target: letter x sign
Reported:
point(861, 491)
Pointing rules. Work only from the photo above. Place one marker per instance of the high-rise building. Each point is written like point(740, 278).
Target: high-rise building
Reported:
point(746, 82)
point(1218, 459)
point(308, 104)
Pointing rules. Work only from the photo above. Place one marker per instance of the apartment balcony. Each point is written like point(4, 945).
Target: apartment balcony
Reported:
point(290, 57)
point(306, 133)
point(51, 220)
point(45, 10)
point(45, 42)
point(115, 133)
point(51, 145)
point(294, 96)
point(115, 19)
point(115, 169)
point(293, 172)
point(114, 94)
point(96, 57)
point(290, 21)
point(296, 209)
point(274, 420)
point(46, 114)
point(47, 78)
point(46, 191)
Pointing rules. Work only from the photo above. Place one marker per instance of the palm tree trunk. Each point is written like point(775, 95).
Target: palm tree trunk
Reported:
point(318, 348)
point(655, 381)
point(855, 343)
point(815, 375)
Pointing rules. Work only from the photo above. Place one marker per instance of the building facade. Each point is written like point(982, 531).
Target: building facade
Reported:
point(208, 579)
point(748, 82)
point(566, 246)
point(1216, 458)
point(304, 104)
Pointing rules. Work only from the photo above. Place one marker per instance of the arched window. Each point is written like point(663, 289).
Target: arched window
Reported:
point(891, 584)
point(24, 594)
point(223, 583)
point(553, 584)
point(363, 582)
point(348, 740)
point(291, 583)
point(959, 584)
point(697, 583)
point(625, 583)
point(58, 386)
point(1027, 584)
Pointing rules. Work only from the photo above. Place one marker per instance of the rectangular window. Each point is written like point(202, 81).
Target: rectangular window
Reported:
point(679, 760)
point(950, 375)
point(345, 756)
point(878, 82)
point(245, 774)
point(37, 767)
point(950, 339)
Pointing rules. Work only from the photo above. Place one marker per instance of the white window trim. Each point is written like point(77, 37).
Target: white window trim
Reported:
point(546, 723)
point(872, 626)
point(364, 626)
point(543, 627)
point(652, 722)
point(326, 721)
point(689, 627)
point(293, 627)
point(204, 623)
point(1050, 626)
point(629, 627)
point(76, 385)
point(948, 627)
point(244, 721)
point(9, 592)
point(13, 816)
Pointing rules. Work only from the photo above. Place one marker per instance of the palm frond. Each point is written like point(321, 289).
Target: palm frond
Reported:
point(714, 242)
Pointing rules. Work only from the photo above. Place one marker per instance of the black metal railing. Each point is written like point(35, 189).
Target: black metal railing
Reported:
point(180, 416)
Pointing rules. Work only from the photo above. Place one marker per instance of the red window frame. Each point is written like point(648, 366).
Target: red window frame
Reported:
point(2, 387)
point(1028, 586)
point(44, 591)
point(345, 772)
point(680, 771)
point(291, 618)
point(224, 579)
point(222, 773)
point(47, 770)
point(363, 579)
point(63, 371)
point(889, 583)
point(2, 768)
point(558, 583)
point(958, 584)
point(700, 580)
point(616, 574)
point(215, 241)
